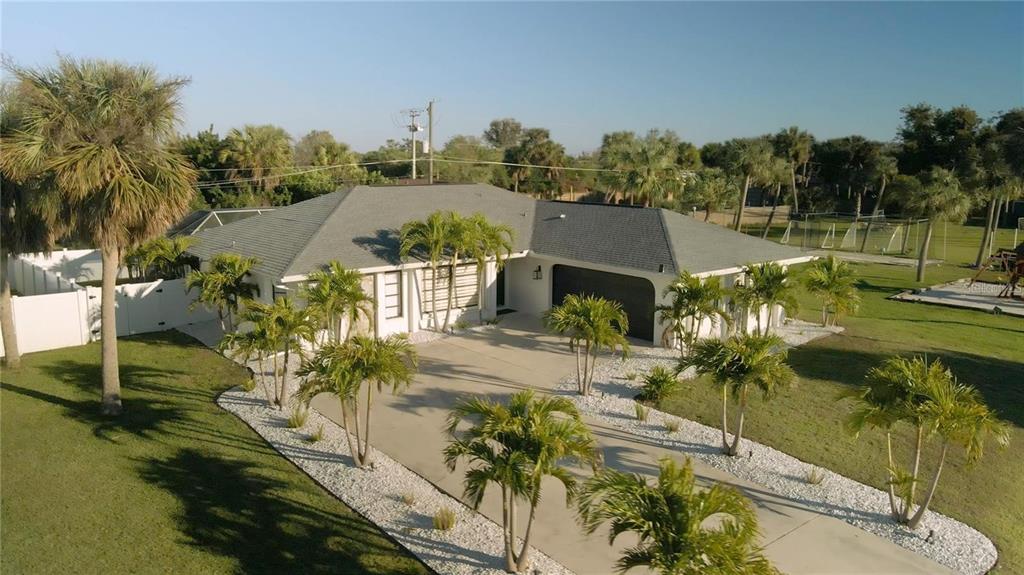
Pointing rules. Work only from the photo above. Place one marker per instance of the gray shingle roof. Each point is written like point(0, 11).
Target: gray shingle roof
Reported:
point(359, 227)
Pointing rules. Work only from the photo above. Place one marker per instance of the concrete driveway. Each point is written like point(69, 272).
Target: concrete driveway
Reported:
point(519, 355)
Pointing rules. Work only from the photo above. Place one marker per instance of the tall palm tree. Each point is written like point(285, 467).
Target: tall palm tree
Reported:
point(592, 324)
point(795, 146)
point(750, 159)
point(712, 188)
point(650, 169)
point(940, 199)
point(222, 286)
point(162, 258)
point(958, 415)
point(33, 215)
point(776, 174)
point(459, 241)
point(516, 445)
point(766, 285)
point(428, 240)
point(833, 280)
point(360, 363)
point(253, 344)
point(259, 154)
point(739, 364)
point(335, 294)
point(488, 241)
point(288, 327)
point(682, 530)
point(694, 300)
point(883, 169)
point(99, 129)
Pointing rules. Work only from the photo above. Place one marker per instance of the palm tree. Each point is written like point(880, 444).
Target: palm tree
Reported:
point(345, 369)
point(832, 280)
point(162, 258)
point(766, 285)
point(738, 364)
point(884, 169)
point(487, 241)
point(958, 415)
point(592, 324)
point(32, 216)
point(259, 154)
point(516, 446)
point(428, 239)
point(941, 199)
point(650, 169)
point(776, 174)
point(459, 240)
point(795, 146)
point(253, 344)
point(681, 530)
point(287, 327)
point(712, 189)
point(749, 159)
point(99, 130)
point(335, 294)
point(223, 287)
point(694, 300)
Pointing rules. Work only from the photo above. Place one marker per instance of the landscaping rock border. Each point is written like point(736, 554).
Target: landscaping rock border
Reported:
point(940, 538)
point(473, 546)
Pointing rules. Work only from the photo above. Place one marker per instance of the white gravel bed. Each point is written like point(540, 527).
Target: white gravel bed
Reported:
point(473, 546)
point(940, 538)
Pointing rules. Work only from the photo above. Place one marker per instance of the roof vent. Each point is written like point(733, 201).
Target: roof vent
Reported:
point(661, 268)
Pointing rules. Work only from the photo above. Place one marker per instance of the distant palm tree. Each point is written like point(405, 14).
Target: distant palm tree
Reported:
point(162, 258)
point(738, 364)
point(794, 145)
point(487, 241)
point(766, 285)
point(694, 300)
point(222, 286)
point(884, 169)
point(711, 189)
point(335, 294)
point(259, 153)
point(776, 174)
point(682, 530)
point(98, 130)
point(750, 159)
point(427, 239)
point(650, 170)
point(345, 369)
point(516, 445)
point(592, 324)
point(832, 280)
point(941, 199)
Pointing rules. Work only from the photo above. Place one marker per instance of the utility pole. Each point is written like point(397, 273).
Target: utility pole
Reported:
point(413, 128)
point(430, 141)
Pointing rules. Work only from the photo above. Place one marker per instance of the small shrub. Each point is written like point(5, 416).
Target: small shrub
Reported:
point(658, 384)
point(408, 498)
point(461, 325)
point(298, 417)
point(641, 411)
point(316, 435)
point(493, 321)
point(249, 384)
point(671, 425)
point(814, 476)
point(444, 519)
point(631, 376)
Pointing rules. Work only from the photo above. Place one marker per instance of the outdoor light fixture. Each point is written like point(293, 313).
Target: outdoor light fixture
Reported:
point(537, 274)
point(661, 268)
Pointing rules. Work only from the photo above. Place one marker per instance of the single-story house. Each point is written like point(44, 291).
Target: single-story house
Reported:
point(625, 253)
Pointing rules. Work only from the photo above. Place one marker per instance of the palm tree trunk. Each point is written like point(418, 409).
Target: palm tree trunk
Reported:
point(433, 294)
point(451, 290)
point(824, 314)
point(111, 403)
point(771, 214)
point(12, 357)
point(707, 212)
point(916, 520)
point(579, 370)
point(919, 443)
point(738, 224)
point(277, 389)
point(524, 554)
point(725, 419)
point(735, 449)
point(985, 233)
point(366, 426)
point(874, 214)
point(994, 227)
point(506, 519)
point(512, 530)
point(480, 292)
point(348, 432)
point(586, 368)
point(284, 378)
point(894, 511)
point(358, 455)
point(922, 258)
point(263, 380)
point(792, 183)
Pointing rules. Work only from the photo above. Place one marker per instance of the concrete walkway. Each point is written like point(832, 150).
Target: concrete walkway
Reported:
point(518, 355)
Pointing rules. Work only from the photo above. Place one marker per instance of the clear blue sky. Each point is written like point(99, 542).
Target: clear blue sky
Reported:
point(709, 71)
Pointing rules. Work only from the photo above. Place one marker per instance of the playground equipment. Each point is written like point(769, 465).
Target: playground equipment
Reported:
point(1009, 262)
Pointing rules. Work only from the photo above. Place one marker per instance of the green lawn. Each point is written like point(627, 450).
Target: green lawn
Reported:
point(984, 350)
point(175, 484)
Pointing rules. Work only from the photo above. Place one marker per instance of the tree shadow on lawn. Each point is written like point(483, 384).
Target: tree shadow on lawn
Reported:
point(234, 509)
point(1000, 381)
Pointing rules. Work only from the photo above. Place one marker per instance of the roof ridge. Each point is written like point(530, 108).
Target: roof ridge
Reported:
point(343, 195)
point(665, 234)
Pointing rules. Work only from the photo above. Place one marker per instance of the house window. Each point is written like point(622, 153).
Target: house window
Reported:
point(392, 295)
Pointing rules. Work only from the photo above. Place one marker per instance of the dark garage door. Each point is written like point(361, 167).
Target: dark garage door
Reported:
point(635, 294)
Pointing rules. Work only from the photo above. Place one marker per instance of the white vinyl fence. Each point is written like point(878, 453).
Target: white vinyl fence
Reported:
point(54, 312)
